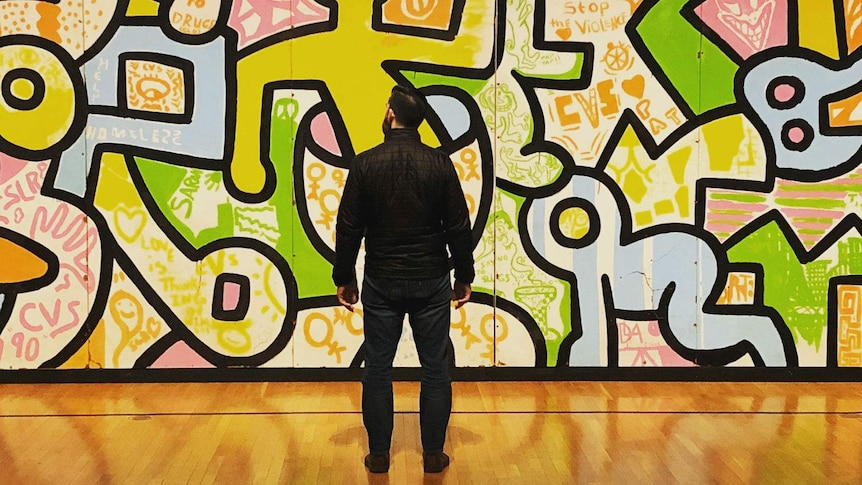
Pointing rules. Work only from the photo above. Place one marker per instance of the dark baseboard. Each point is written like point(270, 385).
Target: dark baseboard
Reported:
point(657, 374)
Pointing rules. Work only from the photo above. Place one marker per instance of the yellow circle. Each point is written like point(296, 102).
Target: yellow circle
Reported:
point(43, 126)
point(574, 223)
point(22, 89)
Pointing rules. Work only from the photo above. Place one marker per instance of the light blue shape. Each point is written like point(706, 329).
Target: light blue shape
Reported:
point(203, 137)
point(678, 258)
point(825, 151)
point(453, 113)
point(72, 169)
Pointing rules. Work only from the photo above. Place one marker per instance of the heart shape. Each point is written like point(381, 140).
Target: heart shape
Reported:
point(129, 223)
point(564, 33)
point(634, 87)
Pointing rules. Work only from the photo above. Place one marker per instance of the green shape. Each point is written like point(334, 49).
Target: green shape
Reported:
point(787, 287)
point(812, 203)
point(842, 188)
point(424, 79)
point(311, 270)
point(747, 198)
point(565, 300)
point(700, 72)
point(575, 72)
point(163, 180)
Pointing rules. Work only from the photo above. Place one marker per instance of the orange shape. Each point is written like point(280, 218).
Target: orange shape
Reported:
point(846, 112)
point(18, 264)
point(432, 14)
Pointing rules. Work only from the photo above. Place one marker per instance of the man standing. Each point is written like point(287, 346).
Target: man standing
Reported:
point(404, 197)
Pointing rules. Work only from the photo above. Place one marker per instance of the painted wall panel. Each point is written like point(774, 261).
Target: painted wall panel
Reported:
point(664, 183)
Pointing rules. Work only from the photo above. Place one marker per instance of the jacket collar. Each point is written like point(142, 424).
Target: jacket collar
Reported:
point(402, 134)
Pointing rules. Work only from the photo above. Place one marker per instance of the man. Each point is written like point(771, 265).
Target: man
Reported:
point(405, 199)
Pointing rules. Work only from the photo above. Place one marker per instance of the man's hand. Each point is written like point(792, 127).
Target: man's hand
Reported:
point(348, 295)
point(461, 293)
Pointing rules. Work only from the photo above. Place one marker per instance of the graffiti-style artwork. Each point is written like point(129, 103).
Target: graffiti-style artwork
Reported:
point(667, 183)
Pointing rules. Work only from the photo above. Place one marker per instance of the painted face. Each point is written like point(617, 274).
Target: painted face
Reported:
point(749, 19)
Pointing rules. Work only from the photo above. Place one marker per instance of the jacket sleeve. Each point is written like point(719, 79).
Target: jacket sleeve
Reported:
point(456, 225)
point(349, 229)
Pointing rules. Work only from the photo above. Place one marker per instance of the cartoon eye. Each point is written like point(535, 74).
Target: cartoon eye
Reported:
point(153, 89)
point(731, 6)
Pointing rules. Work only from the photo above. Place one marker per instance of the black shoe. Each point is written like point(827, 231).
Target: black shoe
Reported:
point(377, 462)
point(435, 462)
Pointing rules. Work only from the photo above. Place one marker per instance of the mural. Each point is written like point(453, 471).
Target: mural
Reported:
point(669, 183)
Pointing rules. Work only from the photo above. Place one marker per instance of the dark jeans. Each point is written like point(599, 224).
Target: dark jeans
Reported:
point(385, 302)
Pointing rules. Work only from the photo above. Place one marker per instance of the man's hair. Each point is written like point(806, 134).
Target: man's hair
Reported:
point(408, 104)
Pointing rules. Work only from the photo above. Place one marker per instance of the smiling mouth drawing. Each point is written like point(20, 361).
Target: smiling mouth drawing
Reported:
point(752, 28)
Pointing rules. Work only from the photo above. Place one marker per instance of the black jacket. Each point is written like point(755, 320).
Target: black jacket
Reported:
point(404, 197)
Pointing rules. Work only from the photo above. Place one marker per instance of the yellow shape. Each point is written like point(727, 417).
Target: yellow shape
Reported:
point(817, 29)
point(677, 161)
point(22, 89)
point(574, 223)
point(115, 187)
point(723, 137)
point(39, 127)
point(142, 8)
point(348, 60)
point(634, 186)
point(663, 207)
point(643, 218)
point(18, 264)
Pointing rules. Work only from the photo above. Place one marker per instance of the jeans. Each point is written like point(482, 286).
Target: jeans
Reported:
point(385, 302)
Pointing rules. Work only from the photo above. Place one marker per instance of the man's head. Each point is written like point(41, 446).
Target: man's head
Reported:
point(406, 107)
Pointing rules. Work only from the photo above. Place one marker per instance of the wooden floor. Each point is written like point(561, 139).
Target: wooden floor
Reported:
point(504, 432)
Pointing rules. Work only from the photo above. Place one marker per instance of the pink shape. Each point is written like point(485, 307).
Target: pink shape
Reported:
point(230, 296)
point(784, 93)
point(669, 358)
point(180, 356)
point(255, 20)
point(9, 167)
point(747, 27)
point(324, 134)
point(796, 135)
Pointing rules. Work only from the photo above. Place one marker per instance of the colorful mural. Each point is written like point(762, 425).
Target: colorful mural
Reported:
point(668, 183)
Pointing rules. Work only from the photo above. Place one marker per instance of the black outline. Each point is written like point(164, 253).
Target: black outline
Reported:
point(35, 80)
point(792, 81)
point(123, 111)
point(238, 313)
point(807, 135)
point(575, 203)
point(462, 374)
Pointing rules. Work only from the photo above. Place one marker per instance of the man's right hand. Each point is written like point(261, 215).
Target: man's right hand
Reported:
point(348, 295)
point(461, 293)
